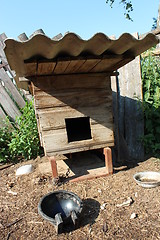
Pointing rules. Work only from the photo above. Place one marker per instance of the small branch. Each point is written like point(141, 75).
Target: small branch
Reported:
point(5, 166)
point(16, 221)
point(8, 236)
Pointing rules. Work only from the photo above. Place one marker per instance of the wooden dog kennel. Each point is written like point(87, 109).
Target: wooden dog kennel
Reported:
point(70, 80)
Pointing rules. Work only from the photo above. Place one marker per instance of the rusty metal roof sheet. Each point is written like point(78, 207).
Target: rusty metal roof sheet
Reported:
point(73, 54)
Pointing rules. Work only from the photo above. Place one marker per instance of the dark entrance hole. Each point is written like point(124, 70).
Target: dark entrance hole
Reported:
point(78, 129)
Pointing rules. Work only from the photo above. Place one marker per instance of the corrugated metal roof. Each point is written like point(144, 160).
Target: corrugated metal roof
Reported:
point(73, 54)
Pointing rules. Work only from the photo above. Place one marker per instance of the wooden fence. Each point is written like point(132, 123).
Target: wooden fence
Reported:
point(10, 97)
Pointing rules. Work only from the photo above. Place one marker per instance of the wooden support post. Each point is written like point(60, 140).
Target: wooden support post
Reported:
point(108, 160)
point(53, 167)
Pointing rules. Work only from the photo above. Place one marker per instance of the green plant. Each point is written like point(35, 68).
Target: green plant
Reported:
point(25, 141)
point(127, 4)
point(5, 139)
point(151, 102)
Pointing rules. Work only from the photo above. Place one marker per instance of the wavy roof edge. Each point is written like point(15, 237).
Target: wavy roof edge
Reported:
point(72, 45)
point(74, 35)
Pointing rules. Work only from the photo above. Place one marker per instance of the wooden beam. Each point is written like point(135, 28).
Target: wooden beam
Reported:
point(108, 160)
point(53, 167)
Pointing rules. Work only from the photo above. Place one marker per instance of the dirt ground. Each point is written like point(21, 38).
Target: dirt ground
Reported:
point(101, 217)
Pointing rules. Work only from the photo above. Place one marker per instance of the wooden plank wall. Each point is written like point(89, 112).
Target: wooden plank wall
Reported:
point(60, 97)
point(10, 97)
point(128, 114)
point(133, 129)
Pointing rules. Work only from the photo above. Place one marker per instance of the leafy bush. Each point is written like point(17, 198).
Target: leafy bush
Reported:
point(151, 103)
point(5, 139)
point(22, 141)
point(25, 141)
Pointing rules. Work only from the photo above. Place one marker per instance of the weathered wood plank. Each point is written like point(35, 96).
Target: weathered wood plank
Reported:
point(74, 65)
point(101, 136)
point(2, 37)
point(107, 64)
point(23, 37)
point(61, 66)
point(2, 54)
point(55, 118)
point(27, 95)
point(12, 88)
point(57, 37)
point(73, 98)
point(128, 116)
point(45, 68)
point(75, 81)
point(121, 63)
point(130, 85)
point(81, 148)
point(2, 117)
point(88, 65)
point(31, 68)
point(7, 104)
point(115, 95)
